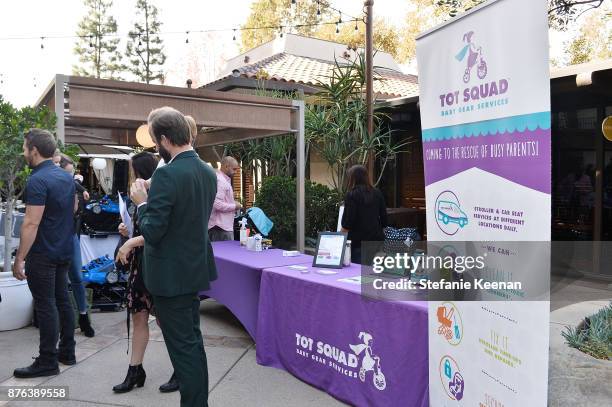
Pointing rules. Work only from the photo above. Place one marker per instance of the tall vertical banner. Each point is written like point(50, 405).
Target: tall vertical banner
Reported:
point(485, 117)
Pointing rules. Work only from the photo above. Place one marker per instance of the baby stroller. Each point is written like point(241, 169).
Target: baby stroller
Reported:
point(257, 222)
point(107, 282)
point(102, 216)
point(369, 362)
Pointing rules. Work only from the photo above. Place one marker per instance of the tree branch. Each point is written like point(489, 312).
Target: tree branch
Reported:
point(566, 5)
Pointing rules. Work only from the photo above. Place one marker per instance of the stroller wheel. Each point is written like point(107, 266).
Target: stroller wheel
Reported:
point(482, 70)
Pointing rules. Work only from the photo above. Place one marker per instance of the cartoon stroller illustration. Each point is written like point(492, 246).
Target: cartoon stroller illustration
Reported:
point(474, 57)
point(369, 362)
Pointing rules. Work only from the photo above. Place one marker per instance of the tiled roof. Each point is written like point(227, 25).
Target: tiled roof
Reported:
point(309, 71)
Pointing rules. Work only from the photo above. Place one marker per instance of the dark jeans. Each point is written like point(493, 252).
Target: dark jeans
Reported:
point(48, 282)
point(180, 324)
point(76, 277)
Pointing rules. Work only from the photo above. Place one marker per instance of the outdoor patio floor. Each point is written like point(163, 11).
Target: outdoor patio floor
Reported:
point(235, 377)
point(237, 380)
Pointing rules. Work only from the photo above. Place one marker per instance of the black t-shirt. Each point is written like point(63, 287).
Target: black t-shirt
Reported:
point(53, 188)
point(365, 215)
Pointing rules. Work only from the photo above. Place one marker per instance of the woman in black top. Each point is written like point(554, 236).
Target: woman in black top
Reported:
point(365, 213)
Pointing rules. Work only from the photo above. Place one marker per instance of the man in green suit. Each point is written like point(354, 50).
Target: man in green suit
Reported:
point(178, 258)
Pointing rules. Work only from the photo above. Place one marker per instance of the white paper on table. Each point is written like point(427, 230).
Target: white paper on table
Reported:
point(326, 272)
point(351, 280)
point(125, 216)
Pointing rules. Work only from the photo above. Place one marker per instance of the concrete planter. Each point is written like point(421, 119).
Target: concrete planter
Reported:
point(17, 306)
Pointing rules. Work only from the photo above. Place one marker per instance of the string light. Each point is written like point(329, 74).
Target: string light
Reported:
point(90, 37)
point(337, 29)
point(42, 46)
point(281, 31)
point(139, 40)
point(234, 39)
point(318, 8)
point(356, 26)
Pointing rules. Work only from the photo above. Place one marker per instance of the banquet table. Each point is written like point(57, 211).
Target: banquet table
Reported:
point(239, 274)
point(322, 330)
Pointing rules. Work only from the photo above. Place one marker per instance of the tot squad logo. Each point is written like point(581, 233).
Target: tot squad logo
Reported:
point(474, 58)
point(451, 325)
point(449, 215)
point(451, 378)
point(361, 362)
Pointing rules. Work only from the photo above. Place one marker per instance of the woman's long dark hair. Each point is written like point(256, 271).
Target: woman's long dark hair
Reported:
point(144, 164)
point(358, 177)
point(359, 180)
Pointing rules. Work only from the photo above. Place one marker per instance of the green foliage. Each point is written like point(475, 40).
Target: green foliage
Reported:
point(593, 40)
point(145, 51)
point(97, 43)
point(71, 150)
point(277, 198)
point(594, 335)
point(337, 125)
point(385, 38)
point(271, 155)
point(562, 12)
point(14, 123)
point(280, 13)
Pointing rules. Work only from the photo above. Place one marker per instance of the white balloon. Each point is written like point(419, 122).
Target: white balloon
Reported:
point(99, 163)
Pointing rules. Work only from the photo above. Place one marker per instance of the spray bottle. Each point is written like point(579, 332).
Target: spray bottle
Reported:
point(244, 233)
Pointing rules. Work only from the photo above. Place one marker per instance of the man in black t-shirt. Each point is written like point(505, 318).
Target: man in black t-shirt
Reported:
point(46, 247)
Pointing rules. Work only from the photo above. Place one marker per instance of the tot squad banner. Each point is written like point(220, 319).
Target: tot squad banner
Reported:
point(485, 117)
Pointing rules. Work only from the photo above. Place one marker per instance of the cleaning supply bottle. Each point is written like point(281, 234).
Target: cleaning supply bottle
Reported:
point(244, 233)
point(258, 244)
point(347, 254)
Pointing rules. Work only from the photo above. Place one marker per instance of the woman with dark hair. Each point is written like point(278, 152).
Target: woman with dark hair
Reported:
point(139, 302)
point(365, 213)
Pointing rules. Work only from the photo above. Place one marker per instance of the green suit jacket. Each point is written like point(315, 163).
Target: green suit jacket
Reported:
point(178, 256)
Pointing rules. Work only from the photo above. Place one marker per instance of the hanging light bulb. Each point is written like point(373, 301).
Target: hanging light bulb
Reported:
point(293, 2)
point(356, 26)
point(90, 41)
point(187, 39)
point(42, 46)
point(337, 29)
point(234, 39)
point(281, 31)
point(318, 7)
point(139, 40)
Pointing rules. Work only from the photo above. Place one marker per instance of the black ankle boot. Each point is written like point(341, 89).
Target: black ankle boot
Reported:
point(85, 325)
point(171, 386)
point(135, 377)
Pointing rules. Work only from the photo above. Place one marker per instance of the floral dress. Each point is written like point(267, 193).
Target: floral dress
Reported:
point(137, 298)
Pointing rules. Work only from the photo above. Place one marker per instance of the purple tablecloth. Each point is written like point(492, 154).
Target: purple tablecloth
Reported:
point(319, 329)
point(239, 270)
